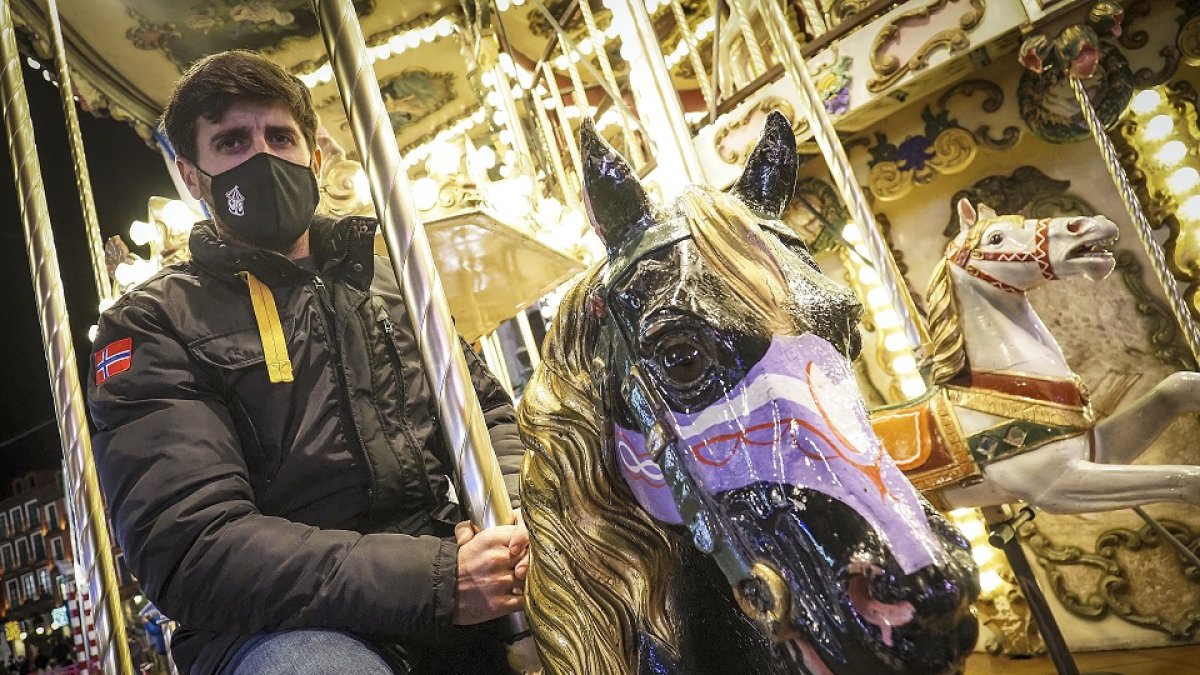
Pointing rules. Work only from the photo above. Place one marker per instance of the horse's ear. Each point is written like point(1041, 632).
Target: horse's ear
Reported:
point(616, 203)
point(769, 179)
point(986, 212)
point(966, 215)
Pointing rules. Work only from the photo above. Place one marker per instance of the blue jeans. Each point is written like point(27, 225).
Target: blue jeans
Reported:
point(307, 652)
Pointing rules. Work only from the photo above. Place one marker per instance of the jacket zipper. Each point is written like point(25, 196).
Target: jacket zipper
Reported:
point(398, 364)
point(335, 354)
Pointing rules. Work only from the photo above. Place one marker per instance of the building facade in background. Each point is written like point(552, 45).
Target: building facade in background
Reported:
point(35, 544)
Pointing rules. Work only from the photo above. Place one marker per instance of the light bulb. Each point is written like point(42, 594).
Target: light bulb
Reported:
point(972, 529)
point(1190, 209)
point(1146, 101)
point(868, 276)
point(425, 193)
point(895, 342)
point(1158, 128)
point(178, 216)
point(142, 233)
point(1171, 153)
point(887, 318)
point(989, 581)
point(878, 297)
point(1183, 180)
point(982, 553)
point(904, 363)
point(912, 387)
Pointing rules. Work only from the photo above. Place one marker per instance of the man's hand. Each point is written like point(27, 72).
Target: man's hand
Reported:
point(518, 547)
point(487, 587)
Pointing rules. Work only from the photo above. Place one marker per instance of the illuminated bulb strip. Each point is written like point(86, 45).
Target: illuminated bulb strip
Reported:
point(587, 46)
point(394, 46)
point(419, 153)
point(680, 52)
point(887, 322)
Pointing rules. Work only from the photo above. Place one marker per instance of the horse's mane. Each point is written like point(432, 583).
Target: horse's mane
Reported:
point(597, 551)
point(948, 353)
point(602, 569)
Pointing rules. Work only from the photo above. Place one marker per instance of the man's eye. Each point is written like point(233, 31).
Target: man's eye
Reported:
point(284, 139)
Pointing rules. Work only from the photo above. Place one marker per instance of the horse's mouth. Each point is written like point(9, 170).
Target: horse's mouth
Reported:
point(885, 616)
point(1099, 248)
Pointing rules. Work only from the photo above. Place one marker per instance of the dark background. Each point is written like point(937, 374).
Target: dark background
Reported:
point(125, 172)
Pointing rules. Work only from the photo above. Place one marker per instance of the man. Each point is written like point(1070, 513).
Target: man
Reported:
point(266, 438)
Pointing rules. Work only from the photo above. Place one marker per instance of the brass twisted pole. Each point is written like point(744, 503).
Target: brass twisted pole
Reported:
point(93, 552)
point(788, 51)
point(83, 180)
point(1158, 259)
point(479, 477)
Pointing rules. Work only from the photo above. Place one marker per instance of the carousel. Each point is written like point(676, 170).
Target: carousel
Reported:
point(849, 336)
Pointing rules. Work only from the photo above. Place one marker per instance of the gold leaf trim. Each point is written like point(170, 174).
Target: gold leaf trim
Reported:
point(954, 40)
point(1110, 595)
point(1021, 408)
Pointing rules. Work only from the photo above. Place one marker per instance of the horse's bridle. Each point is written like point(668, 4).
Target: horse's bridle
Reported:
point(965, 255)
point(758, 588)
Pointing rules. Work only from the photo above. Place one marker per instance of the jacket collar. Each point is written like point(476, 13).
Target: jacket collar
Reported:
point(342, 248)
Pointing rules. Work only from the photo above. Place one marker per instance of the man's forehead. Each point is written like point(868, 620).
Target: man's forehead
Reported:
point(250, 114)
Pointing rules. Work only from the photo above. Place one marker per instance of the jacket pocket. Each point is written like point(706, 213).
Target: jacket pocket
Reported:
point(237, 362)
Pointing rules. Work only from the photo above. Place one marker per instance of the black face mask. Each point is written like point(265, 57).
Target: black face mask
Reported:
point(265, 201)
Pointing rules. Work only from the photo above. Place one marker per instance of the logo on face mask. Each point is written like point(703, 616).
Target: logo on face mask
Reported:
point(237, 203)
point(285, 197)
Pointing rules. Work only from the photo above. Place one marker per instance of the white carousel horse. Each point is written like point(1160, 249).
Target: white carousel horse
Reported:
point(1008, 420)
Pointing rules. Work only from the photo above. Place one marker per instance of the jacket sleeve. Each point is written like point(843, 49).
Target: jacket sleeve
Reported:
point(173, 473)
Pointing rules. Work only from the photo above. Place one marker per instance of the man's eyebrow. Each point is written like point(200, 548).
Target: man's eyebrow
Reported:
point(282, 128)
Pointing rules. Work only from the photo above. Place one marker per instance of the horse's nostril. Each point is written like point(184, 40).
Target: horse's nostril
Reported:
point(1075, 226)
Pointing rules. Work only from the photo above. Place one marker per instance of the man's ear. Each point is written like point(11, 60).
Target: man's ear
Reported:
point(190, 176)
point(317, 160)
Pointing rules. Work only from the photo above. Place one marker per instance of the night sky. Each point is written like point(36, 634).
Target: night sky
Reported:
point(125, 172)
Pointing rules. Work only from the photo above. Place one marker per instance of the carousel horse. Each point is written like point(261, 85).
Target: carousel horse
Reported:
point(703, 490)
point(1007, 419)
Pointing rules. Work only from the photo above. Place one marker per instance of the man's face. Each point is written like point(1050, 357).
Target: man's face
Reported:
point(248, 128)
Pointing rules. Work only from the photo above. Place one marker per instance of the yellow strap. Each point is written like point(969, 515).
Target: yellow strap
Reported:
point(279, 366)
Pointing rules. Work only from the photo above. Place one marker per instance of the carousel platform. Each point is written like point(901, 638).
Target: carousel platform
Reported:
point(1163, 661)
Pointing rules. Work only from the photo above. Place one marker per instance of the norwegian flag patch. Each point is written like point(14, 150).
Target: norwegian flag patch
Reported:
point(114, 359)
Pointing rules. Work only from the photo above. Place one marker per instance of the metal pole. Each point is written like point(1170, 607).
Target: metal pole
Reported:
point(531, 345)
point(1154, 250)
point(480, 482)
point(93, 549)
point(83, 181)
point(1003, 536)
point(657, 100)
point(788, 51)
point(1185, 553)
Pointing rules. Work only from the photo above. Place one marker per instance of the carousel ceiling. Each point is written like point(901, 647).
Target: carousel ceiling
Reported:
point(126, 55)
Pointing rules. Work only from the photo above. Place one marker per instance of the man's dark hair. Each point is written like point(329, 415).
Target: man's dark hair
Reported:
point(216, 81)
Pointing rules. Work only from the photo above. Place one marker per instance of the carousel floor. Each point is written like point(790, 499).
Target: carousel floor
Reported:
point(1163, 661)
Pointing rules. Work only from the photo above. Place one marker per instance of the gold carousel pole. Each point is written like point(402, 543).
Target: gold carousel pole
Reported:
point(787, 50)
point(1154, 250)
point(479, 477)
point(83, 180)
point(93, 551)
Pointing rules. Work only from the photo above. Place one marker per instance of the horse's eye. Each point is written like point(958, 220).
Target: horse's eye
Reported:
point(682, 360)
point(995, 239)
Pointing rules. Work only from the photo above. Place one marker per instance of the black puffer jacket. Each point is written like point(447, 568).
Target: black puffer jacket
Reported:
point(245, 506)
